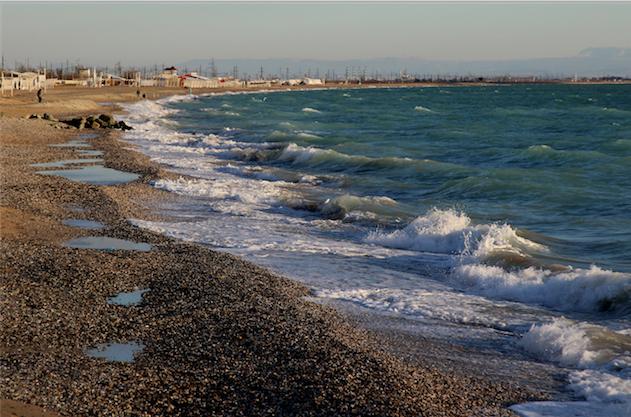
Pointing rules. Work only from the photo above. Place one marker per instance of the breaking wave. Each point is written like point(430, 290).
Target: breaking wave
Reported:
point(495, 261)
point(586, 290)
point(603, 357)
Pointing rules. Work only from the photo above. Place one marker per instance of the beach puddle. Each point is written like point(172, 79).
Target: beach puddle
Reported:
point(75, 208)
point(106, 243)
point(66, 162)
point(89, 152)
point(71, 144)
point(131, 298)
point(116, 352)
point(83, 224)
point(85, 136)
point(95, 175)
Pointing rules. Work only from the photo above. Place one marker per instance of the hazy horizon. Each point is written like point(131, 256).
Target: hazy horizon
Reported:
point(148, 33)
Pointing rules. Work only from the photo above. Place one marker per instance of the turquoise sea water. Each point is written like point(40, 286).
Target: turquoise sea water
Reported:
point(554, 161)
point(497, 214)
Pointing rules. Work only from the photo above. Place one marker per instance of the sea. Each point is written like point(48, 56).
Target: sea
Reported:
point(488, 214)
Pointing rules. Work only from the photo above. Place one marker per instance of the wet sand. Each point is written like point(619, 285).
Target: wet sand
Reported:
point(221, 336)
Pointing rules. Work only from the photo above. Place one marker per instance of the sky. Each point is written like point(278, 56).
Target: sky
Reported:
point(148, 33)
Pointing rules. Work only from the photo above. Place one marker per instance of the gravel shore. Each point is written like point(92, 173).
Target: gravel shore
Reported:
point(221, 336)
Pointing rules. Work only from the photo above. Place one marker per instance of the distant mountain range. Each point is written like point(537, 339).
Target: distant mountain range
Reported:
point(588, 63)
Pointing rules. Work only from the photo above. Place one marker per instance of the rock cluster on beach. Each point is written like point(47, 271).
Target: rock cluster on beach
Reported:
point(221, 336)
point(101, 121)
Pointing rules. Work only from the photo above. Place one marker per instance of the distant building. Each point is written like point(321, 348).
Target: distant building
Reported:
point(170, 71)
point(168, 78)
point(259, 83)
point(85, 74)
point(312, 81)
point(292, 82)
point(29, 81)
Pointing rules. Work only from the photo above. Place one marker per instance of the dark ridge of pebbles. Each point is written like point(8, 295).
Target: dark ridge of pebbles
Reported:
point(221, 336)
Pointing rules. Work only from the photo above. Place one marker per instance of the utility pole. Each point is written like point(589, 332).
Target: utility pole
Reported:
point(261, 76)
point(213, 68)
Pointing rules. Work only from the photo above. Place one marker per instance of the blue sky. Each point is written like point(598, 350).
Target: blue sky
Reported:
point(147, 33)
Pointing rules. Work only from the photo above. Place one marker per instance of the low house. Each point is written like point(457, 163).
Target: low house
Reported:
point(167, 78)
point(194, 80)
point(28, 81)
point(259, 83)
point(312, 81)
point(292, 82)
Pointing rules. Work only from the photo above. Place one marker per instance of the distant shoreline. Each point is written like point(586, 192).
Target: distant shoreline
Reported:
point(72, 100)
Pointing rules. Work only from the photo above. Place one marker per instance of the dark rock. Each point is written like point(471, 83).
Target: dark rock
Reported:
point(107, 119)
point(78, 122)
point(123, 126)
point(35, 116)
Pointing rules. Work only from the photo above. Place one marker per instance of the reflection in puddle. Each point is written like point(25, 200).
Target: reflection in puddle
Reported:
point(95, 175)
point(116, 352)
point(88, 136)
point(75, 208)
point(106, 243)
point(131, 298)
point(88, 152)
point(71, 144)
point(63, 163)
point(83, 224)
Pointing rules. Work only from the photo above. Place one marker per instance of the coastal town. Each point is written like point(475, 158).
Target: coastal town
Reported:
point(29, 79)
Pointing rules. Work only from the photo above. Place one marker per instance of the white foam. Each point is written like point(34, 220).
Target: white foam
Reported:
point(603, 355)
point(571, 409)
point(588, 290)
point(222, 192)
point(449, 231)
point(307, 135)
point(422, 109)
point(310, 110)
point(444, 305)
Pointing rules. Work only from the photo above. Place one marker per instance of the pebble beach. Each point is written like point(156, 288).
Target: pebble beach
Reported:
point(215, 334)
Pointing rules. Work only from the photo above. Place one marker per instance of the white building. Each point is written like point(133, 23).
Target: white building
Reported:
point(312, 81)
point(28, 81)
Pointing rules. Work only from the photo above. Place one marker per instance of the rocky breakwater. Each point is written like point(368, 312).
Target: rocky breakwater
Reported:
point(101, 121)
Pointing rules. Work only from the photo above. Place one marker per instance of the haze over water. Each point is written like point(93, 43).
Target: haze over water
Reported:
point(491, 208)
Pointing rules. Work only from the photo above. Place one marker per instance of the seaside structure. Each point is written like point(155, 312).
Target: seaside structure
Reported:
point(194, 80)
point(312, 81)
point(28, 81)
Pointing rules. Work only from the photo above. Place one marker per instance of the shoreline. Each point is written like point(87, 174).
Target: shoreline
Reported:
point(244, 341)
point(74, 101)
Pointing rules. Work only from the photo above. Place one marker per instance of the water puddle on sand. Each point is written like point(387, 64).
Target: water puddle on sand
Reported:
point(71, 144)
point(89, 152)
point(131, 298)
point(75, 208)
point(106, 243)
point(85, 136)
point(84, 224)
point(95, 175)
point(116, 352)
point(66, 162)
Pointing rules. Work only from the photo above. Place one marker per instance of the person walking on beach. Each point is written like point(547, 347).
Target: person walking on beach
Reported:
point(39, 95)
point(138, 94)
